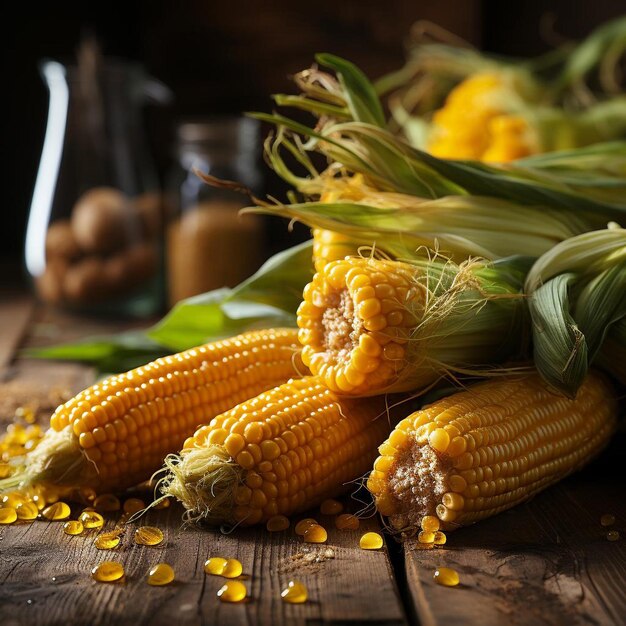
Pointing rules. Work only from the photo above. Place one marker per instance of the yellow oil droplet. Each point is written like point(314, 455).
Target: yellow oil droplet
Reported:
point(232, 568)
point(612, 535)
point(73, 527)
point(108, 571)
point(607, 519)
point(134, 505)
point(91, 519)
point(214, 565)
point(276, 523)
point(294, 593)
point(371, 541)
point(446, 577)
point(161, 574)
point(426, 537)
point(148, 536)
point(7, 515)
point(315, 534)
point(232, 591)
point(347, 521)
point(303, 524)
point(57, 512)
point(27, 511)
point(107, 541)
point(107, 503)
point(331, 507)
point(440, 538)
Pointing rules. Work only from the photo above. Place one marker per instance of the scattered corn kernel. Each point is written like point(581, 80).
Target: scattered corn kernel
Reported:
point(331, 507)
point(162, 503)
point(107, 541)
point(88, 494)
point(426, 537)
point(148, 536)
point(12, 499)
point(232, 591)
point(91, 519)
point(108, 571)
point(347, 521)
point(315, 534)
point(430, 523)
point(73, 527)
point(57, 512)
point(440, 538)
point(276, 523)
point(446, 577)
point(294, 593)
point(607, 519)
point(7, 515)
point(303, 525)
point(107, 503)
point(161, 574)
point(232, 568)
point(612, 535)
point(27, 511)
point(134, 505)
point(215, 565)
point(371, 541)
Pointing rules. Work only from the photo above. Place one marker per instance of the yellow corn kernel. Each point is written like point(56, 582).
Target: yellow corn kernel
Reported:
point(331, 507)
point(73, 527)
point(58, 511)
point(7, 515)
point(294, 593)
point(439, 538)
point(347, 521)
point(13, 499)
point(232, 569)
point(613, 535)
point(148, 536)
point(161, 574)
point(5, 470)
point(108, 541)
point(315, 534)
point(108, 571)
point(303, 525)
point(214, 565)
point(162, 503)
point(426, 537)
point(27, 511)
point(91, 519)
point(371, 541)
point(232, 591)
point(277, 523)
point(430, 523)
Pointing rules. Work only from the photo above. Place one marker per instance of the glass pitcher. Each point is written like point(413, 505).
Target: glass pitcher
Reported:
point(94, 234)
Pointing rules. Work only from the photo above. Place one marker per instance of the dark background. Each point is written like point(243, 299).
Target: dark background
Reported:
point(229, 56)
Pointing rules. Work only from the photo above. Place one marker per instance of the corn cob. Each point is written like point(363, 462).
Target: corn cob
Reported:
point(370, 326)
point(116, 433)
point(482, 451)
point(282, 452)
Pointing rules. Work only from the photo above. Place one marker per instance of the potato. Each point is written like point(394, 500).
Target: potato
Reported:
point(50, 284)
point(60, 241)
point(103, 221)
point(149, 209)
point(85, 282)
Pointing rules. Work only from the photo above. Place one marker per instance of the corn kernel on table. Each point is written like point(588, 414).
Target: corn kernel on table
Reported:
point(546, 562)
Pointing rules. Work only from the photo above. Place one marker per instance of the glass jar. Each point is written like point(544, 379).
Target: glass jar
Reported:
point(209, 245)
point(94, 234)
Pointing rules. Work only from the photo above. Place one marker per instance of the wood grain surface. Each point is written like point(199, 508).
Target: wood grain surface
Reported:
point(546, 562)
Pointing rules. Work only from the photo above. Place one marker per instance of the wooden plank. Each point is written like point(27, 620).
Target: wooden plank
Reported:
point(15, 313)
point(45, 574)
point(545, 562)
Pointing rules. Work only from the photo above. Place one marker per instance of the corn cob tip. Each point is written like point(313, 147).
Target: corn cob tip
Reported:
point(204, 480)
point(57, 460)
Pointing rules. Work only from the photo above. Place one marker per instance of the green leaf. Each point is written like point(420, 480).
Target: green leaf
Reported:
point(559, 347)
point(360, 93)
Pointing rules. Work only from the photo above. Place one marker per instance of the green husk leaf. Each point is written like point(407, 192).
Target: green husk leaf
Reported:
point(559, 347)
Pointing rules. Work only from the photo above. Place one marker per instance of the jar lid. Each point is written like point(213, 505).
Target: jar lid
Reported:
point(220, 134)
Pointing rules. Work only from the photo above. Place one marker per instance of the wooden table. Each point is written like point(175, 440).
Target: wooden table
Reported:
point(546, 562)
